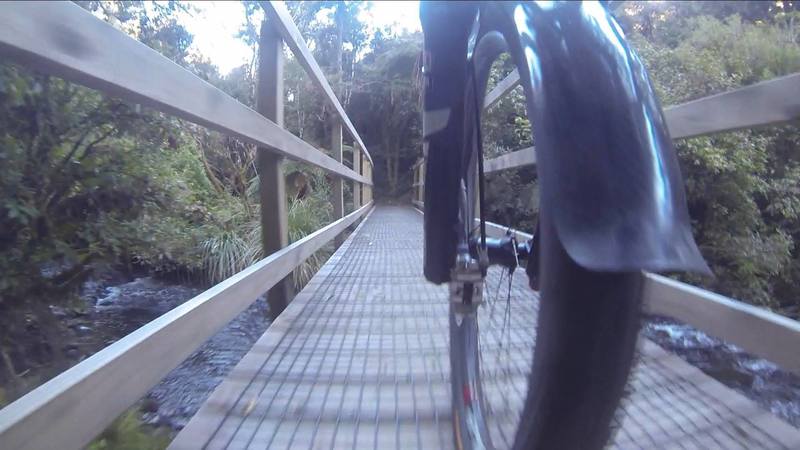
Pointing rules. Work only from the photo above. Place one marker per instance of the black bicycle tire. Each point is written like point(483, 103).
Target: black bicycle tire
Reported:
point(587, 327)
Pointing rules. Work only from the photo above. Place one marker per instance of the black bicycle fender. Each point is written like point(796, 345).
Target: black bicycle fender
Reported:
point(606, 165)
point(607, 168)
point(447, 26)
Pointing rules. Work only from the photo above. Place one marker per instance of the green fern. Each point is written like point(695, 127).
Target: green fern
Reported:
point(238, 244)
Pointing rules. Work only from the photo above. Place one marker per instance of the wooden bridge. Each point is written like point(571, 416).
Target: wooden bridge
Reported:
point(358, 359)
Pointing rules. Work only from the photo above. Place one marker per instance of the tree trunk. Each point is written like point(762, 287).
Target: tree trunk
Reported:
point(395, 171)
point(388, 171)
point(339, 19)
point(15, 381)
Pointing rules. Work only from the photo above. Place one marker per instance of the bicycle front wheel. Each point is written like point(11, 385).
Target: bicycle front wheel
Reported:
point(535, 371)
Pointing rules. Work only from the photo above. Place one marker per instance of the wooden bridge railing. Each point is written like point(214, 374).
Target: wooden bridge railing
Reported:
point(754, 329)
point(62, 39)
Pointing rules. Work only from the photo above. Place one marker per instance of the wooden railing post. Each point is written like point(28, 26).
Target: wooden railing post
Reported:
point(269, 103)
point(369, 188)
point(422, 168)
point(363, 171)
point(421, 190)
point(418, 187)
point(418, 190)
point(419, 180)
point(357, 169)
point(366, 190)
point(413, 183)
point(337, 191)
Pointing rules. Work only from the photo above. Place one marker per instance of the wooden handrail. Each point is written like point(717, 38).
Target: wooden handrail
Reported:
point(769, 102)
point(756, 330)
point(519, 158)
point(64, 39)
point(276, 11)
point(766, 103)
point(505, 86)
point(74, 407)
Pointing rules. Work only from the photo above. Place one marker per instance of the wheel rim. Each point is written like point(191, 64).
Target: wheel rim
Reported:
point(467, 389)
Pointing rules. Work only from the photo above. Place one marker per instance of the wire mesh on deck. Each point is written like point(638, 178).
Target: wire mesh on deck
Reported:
point(360, 360)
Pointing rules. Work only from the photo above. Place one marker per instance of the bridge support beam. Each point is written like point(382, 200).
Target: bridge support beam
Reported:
point(269, 103)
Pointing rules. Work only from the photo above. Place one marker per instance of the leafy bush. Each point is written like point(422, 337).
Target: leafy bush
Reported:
point(236, 245)
point(306, 216)
point(742, 186)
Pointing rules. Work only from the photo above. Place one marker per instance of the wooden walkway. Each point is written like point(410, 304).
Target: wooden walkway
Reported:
point(359, 360)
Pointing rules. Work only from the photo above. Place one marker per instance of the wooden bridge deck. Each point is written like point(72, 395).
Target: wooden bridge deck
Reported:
point(359, 360)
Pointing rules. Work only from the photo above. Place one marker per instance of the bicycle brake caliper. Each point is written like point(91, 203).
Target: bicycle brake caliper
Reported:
point(466, 285)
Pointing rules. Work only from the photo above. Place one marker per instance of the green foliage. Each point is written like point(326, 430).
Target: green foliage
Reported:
point(73, 162)
point(233, 249)
point(306, 216)
point(742, 186)
point(337, 37)
point(88, 181)
point(386, 106)
point(128, 433)
point(226, 254)
point(236, 244)
point(513, 194)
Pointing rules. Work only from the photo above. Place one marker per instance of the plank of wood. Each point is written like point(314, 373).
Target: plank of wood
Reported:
point(367, 168)
point(337, 190)
point(272, 181)
point(68, 411)
point(357, 158)
point(756, 330)
point(765, 103)
point(769, 102)
point(63, 39)
point(503, 87)
point(519, 158)
point(277, 13)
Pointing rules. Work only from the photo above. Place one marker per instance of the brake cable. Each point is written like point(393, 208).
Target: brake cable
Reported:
point(481, 178)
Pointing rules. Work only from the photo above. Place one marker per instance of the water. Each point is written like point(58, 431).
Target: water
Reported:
point(117, 310)
point(760, 380)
